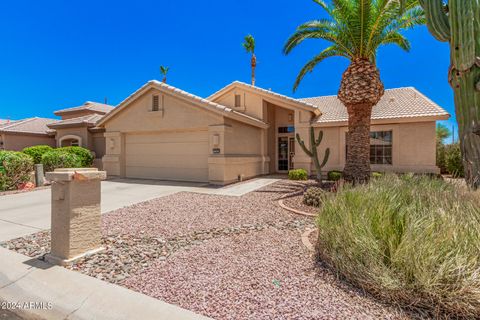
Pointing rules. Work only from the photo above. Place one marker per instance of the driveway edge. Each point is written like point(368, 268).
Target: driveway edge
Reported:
point(52, 292)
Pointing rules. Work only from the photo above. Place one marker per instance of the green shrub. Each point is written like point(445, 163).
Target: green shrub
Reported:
point(15, 168)
point(60, 159)
point(453, 160)
point(315, 197)
point(334, 175)
point(298, 174)
point(85, 156)
point(440, 157)
point(377, 175)
point(410, 240)
point(36, 152)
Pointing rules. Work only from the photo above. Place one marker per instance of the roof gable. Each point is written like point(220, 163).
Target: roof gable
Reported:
point(196, 100)
point(266, 93)
point(398, 103)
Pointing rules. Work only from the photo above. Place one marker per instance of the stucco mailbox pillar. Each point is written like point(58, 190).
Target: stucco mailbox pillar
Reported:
point(76, 214)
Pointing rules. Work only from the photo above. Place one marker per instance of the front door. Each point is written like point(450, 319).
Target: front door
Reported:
point(286, 151)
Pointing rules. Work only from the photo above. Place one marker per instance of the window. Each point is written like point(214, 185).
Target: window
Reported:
point(238, 101)
point(380, 147)
point(155, 103)
point(288, 129)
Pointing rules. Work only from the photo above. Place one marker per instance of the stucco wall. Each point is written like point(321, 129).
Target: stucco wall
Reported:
point(413, 147)
point(81, 132)
point(251, 103)
point(17, 142)
point(242, 139)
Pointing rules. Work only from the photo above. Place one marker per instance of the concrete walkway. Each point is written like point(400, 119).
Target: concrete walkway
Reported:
point(29, 212)
point(52, 292)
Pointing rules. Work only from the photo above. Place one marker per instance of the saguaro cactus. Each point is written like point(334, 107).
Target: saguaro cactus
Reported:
point(312, 152)
point(458, 22)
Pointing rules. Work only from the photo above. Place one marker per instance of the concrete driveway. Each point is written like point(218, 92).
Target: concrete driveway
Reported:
point(25, 213)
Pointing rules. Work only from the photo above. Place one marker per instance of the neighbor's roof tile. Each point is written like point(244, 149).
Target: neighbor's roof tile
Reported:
point(88, 106)
point(396, 103)
point(90, 119)
point(29, 125)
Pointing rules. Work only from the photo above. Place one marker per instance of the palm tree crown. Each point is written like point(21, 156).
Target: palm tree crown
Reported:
point(357, 28)
point(249, 44)
point(164, 71)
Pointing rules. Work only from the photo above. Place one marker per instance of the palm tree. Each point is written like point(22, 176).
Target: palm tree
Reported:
point(355, 30)
point(249, 45)
point(164, 71)
point(442, 132)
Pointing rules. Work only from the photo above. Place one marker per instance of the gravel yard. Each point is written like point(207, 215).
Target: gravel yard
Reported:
point(224, 257)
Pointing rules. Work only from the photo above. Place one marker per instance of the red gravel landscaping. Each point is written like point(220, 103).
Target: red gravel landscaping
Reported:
point(221, 256)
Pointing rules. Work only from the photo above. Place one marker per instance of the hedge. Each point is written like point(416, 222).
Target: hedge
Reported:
point(85, 156)
point(36, 152)
point(15, 169)
point(58, 158)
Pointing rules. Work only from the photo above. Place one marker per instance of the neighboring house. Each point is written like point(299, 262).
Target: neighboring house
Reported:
point(161, 132)
point(77, 128)
point(18, 134)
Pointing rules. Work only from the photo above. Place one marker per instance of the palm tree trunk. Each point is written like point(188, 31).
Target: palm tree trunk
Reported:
point(164, 80)
point(357, 167)
point(360, 90)
point(254, 64)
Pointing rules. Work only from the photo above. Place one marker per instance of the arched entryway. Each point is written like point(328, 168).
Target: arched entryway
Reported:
point(70, 140)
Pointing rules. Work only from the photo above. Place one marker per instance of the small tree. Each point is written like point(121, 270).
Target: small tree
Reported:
point(312, 152)
point(249, 45)
point(164, 71)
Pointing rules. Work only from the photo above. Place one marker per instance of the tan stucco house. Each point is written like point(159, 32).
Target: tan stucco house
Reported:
point(241, 131)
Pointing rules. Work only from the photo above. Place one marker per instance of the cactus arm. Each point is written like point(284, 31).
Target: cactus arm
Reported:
point(320, 138)
point(302, 145)
point(463, 40)
point(437, 19)
point(325, 157)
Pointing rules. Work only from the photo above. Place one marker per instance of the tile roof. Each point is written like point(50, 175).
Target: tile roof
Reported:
point(396, 103)
point(89, 120)
point(207, 103)
point(88, 106)
point(29, 125)
point(264, 91)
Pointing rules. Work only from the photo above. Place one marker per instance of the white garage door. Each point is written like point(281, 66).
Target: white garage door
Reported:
point(169, 156)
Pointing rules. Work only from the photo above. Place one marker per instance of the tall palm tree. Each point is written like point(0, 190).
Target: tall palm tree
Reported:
point(164, 71)
point(249, 45)
point(442, 132)
point(355, 30)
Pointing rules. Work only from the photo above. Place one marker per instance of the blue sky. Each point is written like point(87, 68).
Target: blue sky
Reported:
point(57, 54)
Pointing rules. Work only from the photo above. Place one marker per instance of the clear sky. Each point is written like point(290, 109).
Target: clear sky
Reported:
point(57, 54)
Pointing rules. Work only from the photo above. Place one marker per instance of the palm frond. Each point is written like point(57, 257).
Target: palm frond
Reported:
point(327, 53)
point(164, 70)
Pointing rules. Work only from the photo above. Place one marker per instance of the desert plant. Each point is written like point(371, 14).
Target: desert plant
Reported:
point(298, 174)
point(334, 175)
point(440, 156)
point(410, 240)
point(356, 29)
point(15, 168)
point(453, 160)
point(85, 156)
point(36, 152)
point(458, 22)
point(60, 159)
point(315, 197)
point(312, 152)
point(377, 175)
point(164, 71)
point(249, 45)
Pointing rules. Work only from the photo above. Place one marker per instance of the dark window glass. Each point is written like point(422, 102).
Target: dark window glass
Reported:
point(288, 129)
point(380, 147)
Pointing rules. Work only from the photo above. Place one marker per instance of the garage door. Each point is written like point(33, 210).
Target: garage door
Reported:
point(169, 156)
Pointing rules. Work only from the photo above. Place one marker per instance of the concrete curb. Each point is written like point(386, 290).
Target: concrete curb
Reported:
point(303, 213)
point(306, 239)
point(63, 294)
